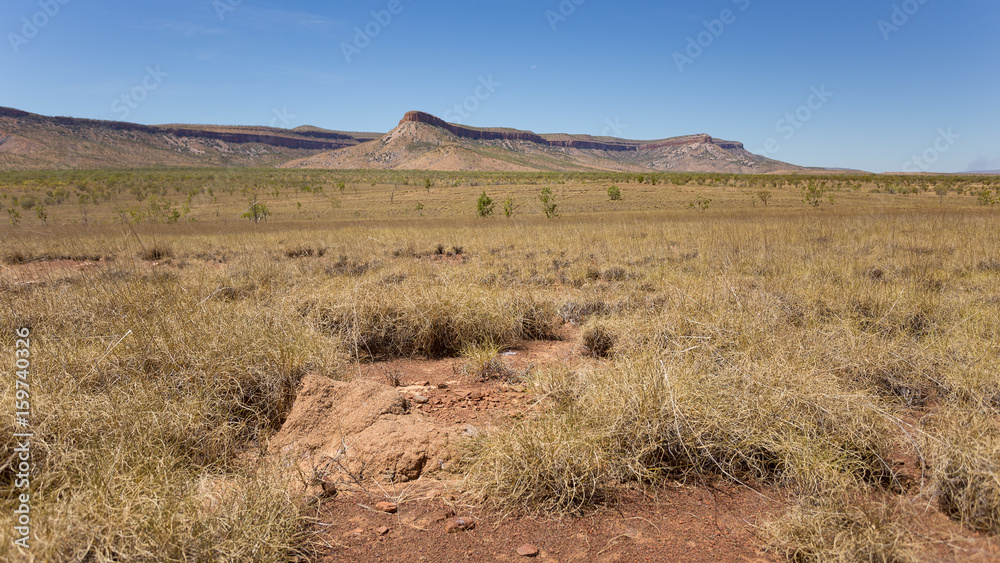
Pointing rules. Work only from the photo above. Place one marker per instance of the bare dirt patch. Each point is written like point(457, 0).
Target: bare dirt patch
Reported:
point(683, 524)
point(34, 273)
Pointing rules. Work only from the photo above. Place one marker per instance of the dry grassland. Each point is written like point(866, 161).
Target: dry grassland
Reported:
point(845, 354)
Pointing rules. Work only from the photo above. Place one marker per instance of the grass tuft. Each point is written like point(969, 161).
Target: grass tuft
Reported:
point(156, 252)
point(435, 322)
point(843, 529)
point(598, 340)
point(553, 463)
point(964, 450)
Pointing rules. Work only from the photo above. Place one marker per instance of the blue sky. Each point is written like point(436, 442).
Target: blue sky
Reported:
point(880, 85)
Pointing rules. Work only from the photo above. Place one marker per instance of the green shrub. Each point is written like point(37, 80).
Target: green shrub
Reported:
point(484, 205)
point(548, 200)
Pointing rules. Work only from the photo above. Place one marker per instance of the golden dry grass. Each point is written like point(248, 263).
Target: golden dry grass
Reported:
point(783, 345)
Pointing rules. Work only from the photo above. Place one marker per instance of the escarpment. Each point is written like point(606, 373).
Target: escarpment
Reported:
point(585, 144)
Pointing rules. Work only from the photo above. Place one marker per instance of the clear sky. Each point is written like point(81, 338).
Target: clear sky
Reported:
point(880, 85)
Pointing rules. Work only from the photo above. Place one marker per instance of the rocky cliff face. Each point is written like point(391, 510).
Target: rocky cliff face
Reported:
point(514, 135)
point(272, 140)
point(469, 133)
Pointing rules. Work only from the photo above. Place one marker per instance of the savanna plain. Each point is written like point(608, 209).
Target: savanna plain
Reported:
point(824, 346)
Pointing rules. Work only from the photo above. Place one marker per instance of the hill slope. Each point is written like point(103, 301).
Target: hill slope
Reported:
point(30, 141)
point(424, 142)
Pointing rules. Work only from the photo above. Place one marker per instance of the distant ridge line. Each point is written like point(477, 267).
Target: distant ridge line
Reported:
point(515, 135)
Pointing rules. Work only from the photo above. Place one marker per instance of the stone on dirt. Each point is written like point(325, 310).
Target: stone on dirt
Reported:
point(454, 525)
point(527, 550)
point(387, 507)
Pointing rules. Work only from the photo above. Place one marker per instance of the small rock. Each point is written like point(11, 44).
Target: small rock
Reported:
point(382, 531)
point(442, 385)
point(455, 525)
point(420, 399)
point(527, 550)
point(356, 532)
point(387, 507)
point(470, 430)
point(424, 383)
point(329, 489)
point(443, 515)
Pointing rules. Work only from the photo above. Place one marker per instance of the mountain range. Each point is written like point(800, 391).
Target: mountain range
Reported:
point(420, 142)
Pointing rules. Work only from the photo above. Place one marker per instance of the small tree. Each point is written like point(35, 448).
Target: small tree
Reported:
point(941, 191)
point(813, 194)
point(257, 211)
point(701, 204)
point(484, 206)
point(14, 215)
point(614, 194)
point(428, 184)
point(548, 200)
point(508, 207)
point(764, 196)
point(984, 197)
point(40, 211)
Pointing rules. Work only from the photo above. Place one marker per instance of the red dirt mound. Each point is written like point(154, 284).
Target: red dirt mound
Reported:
point(359, 431)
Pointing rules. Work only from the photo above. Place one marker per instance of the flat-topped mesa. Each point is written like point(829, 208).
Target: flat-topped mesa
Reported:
point(515, 135)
